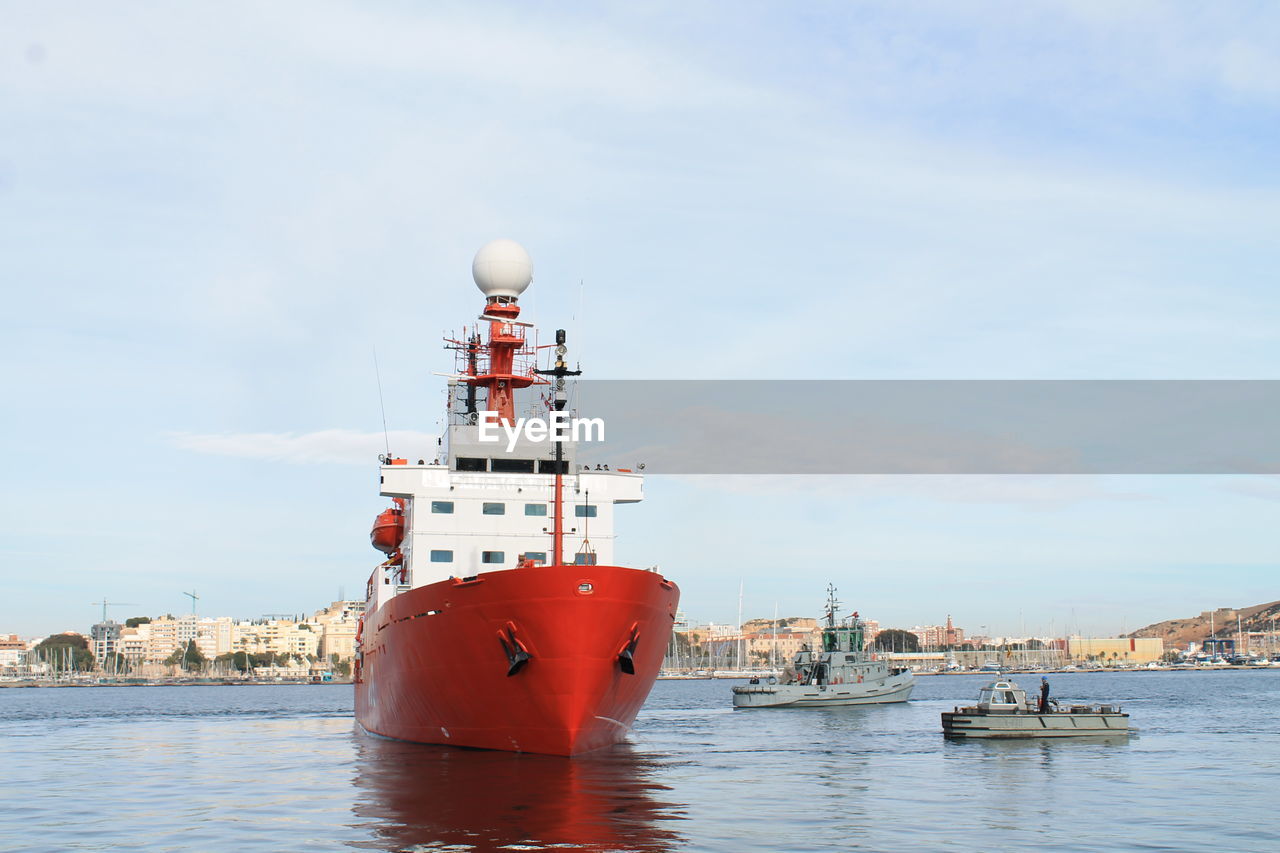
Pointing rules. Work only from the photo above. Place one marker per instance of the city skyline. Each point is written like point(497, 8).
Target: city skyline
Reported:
point(202, 248)
point(926, 630)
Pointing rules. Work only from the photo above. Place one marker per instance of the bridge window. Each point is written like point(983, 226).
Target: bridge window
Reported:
point(536, 556)
point(442, 556)
point(493, 509)
point(470, 464)
point(588, 511)
point(549, 466)
point(442, 506)
point(491, 556)
point(584, 559)
point(511, 466)
point(535, 509)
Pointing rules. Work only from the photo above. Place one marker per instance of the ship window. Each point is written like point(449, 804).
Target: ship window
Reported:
point(535, 509)
point(584, 559)
point(536, 556)
point(494, 509)
point(470, 464)
point(584, 511)
point(491, 556)
point(548, 466)
point(442, 506)
point(442, 556)
point(512, 466)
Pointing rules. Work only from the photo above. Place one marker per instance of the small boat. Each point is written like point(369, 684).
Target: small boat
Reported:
point(841, 674)
point(1003, 711)
point(388, 528)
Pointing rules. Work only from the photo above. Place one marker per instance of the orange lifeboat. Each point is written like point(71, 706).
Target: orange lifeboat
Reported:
point(388, 528)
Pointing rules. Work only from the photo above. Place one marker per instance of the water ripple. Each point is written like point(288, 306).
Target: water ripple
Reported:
point(285, 768)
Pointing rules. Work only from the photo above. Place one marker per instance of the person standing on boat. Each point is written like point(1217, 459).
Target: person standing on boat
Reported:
point(1044, 694)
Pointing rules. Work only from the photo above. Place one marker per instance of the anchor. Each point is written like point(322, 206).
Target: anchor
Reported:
point(626, 659)
point(517, 654)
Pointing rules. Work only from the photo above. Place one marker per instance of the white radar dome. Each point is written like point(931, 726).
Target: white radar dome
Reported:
point(502, 268)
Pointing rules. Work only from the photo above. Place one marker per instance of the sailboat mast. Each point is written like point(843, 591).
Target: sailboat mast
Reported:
point(740, 638)
point(773, 663)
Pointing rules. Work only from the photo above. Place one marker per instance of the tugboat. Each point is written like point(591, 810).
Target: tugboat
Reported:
point(841, 674)
point(1003, 711)
point(495, 622)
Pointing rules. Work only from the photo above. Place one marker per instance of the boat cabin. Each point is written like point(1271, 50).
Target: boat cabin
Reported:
point(843, 638)
point(1002, 697)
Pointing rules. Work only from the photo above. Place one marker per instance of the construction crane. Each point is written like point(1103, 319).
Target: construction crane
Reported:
point(192, 595)
point(105, 604)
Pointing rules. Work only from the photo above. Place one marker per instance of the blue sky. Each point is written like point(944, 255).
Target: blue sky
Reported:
point(209, 217)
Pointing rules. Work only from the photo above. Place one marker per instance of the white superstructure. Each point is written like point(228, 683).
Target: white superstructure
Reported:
point(461, 523)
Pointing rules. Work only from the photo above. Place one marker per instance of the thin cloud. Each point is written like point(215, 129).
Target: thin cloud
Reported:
point(1027, 491)
point(1262, 487)
point(325, 447)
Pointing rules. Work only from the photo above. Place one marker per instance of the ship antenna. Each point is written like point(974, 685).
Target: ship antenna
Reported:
point(560, 371)
point(386, 437)
point(473, 362)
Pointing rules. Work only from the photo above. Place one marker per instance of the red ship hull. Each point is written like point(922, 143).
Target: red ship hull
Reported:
point(435, 661)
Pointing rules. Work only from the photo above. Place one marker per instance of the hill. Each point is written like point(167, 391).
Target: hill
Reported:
point(802, 623)
point(1179, 632)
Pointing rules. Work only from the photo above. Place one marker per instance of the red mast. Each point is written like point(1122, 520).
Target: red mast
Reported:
point(506, 340)
point(502, 270)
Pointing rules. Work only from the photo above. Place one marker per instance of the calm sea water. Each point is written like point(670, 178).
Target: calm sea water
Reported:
point(284, 768)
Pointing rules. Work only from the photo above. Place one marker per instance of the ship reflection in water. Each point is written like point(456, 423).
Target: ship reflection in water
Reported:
point(416, 796)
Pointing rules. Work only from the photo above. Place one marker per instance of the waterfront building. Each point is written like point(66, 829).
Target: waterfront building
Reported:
point(337, 624)
point(1116, 649)
point(213, 636)
point(133, 643)
point(162, 638)
point(278, 636)
point(722, 632)
point(13, 651)
point(761, 645)
point(939, 636)
point(103, 638)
